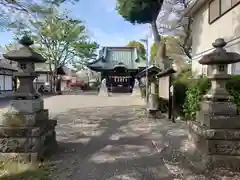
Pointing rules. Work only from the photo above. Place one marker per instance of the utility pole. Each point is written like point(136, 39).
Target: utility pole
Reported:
point(147, 64)
point(146, 42)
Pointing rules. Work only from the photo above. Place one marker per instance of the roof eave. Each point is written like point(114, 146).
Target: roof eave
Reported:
point(152, 70)
point(119, 47)
point(95, 68)
point(194, 7)
point(95, 61)
point(8, 68)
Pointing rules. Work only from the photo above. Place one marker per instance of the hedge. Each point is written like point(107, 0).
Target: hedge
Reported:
point(189, 92)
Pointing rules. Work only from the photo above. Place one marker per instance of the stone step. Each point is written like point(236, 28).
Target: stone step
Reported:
point(28, 131)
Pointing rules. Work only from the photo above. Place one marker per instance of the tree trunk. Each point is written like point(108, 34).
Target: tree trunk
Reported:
point(186, 51)
point(58, 84)
point(156, 36)
point(157, 40)
point(50, 77)
point(54, 82)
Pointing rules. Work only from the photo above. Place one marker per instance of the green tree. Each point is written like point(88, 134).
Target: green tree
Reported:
point(172, 47)
point(60, 39)
point(172, 50)
point(153, 52)
point(85, 55)
point(140, 48)
point(141, 12)
point(25, 5)
point(9, 47)
point(16, 11)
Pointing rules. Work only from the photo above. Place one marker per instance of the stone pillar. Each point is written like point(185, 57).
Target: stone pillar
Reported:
point(136, 89)
point(26, 132)
point(216, 131)
point(153, 104)
point(103, 88)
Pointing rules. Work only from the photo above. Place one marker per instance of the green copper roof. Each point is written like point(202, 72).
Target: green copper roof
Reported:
point(152, 70)
point(112, 57)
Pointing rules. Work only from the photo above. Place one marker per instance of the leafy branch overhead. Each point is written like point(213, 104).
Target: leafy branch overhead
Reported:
point(170, 48)
point(24, 5)
point(16, 11)
point(61, 40)
point(140, 48)
point(141, 12)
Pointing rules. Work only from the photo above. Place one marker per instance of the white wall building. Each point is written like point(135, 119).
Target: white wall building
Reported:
point(214, 19)
point(45, 75)
point(6, 75)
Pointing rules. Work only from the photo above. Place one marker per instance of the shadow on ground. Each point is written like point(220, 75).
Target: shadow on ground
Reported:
point(120, 143)
point(80, 92)
point(117, 143)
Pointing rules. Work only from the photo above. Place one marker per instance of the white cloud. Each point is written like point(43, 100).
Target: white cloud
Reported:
point(118, 39)
point(108, 5)
point(106, 39)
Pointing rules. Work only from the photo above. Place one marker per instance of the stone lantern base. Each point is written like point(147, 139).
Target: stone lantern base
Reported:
point(26, 132)
point(216, 135)
point(219, 147)
point(153, 104)
point(136, 92)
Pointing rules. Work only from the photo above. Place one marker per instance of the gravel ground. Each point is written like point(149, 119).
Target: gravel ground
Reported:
point(110, 138)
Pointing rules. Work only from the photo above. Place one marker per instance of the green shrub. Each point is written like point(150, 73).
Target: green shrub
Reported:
point(188, 92)
point(195, 90)
point(233, 87)
point(180, 90)
point(181, 82)
point(194, 95)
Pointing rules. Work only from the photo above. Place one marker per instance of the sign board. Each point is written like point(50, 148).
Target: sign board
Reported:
point(163, 86)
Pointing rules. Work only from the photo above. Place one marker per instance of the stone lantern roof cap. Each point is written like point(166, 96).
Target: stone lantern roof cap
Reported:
point(25, 53)
point(220, 55)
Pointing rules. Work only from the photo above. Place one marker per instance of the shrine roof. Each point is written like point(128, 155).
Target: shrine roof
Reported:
point(44, 68)
point(112, 57)
point(5, 64)
point(152, 70)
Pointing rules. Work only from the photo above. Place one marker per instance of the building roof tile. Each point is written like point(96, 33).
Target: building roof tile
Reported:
point(112, 57)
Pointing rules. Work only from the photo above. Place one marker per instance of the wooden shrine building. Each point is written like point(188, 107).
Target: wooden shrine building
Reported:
point(119, 66)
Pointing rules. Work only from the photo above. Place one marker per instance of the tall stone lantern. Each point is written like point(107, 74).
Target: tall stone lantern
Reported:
point(26, 131)
point(26, 59)
point(216, 131)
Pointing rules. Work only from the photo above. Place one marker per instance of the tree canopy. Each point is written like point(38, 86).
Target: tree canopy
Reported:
point(60, 39)
point(140, 48)
point(172, 47)
point(172, 50)
point(13, 11)
point(141, 12)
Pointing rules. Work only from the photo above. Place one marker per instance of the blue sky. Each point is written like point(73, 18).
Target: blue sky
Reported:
point(103, 23)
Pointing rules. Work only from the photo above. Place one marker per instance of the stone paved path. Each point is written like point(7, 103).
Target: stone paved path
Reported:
point(110, 138)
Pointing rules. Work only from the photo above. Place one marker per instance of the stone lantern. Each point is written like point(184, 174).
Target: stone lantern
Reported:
point(217, 62)
point(25, 129)
point(216, 131)
point(26, 59)
point(152, 104)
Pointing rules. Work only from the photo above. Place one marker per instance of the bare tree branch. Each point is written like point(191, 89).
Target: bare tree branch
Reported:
point(173, 22)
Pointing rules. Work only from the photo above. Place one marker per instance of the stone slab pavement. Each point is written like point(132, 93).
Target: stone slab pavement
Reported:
point(110, 138)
